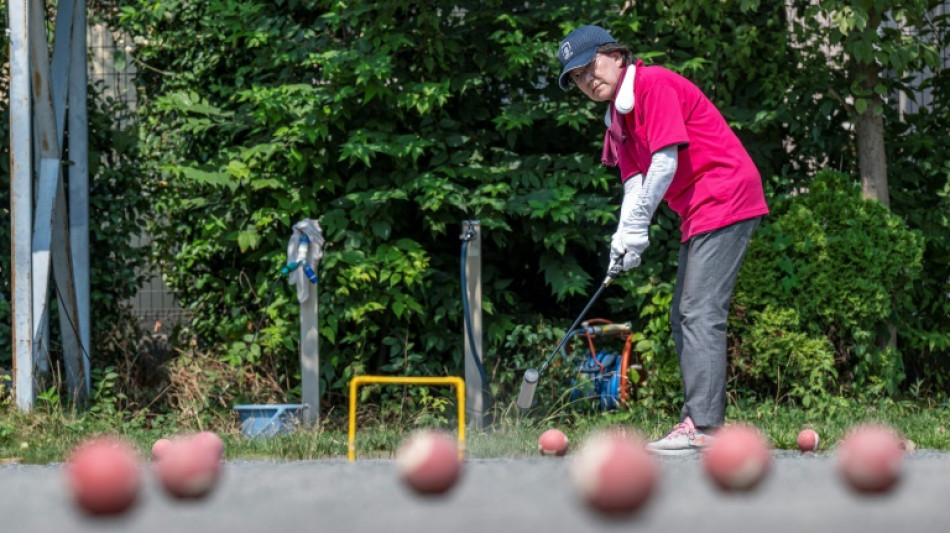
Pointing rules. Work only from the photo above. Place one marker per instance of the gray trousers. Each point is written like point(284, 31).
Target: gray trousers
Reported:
point(705, 278)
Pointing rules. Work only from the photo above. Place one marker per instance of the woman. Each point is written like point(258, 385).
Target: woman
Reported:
point(671, 143)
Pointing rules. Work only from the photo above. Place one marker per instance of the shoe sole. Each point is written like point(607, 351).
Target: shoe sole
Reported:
point(686, 451)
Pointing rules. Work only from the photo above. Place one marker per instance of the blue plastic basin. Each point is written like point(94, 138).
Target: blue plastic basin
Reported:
point(268, 420)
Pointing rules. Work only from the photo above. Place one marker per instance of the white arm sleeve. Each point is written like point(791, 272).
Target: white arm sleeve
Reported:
point(662, 169)
point(641, 197)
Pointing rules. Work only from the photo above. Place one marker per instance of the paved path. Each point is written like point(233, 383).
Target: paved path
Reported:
point(801, 495)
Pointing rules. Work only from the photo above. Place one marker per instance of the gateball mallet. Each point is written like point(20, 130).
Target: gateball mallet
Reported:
point(531, 376)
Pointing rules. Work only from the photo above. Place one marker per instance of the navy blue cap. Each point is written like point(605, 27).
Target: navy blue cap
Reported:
point(579, 48)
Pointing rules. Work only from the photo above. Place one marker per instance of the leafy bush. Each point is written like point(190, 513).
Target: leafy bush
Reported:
point(919, 177)
point(391, 123)
point(845, 267)
point(775, 354)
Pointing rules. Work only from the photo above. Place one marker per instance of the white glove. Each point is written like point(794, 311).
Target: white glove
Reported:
point(630, 239)
point(621, 258)
point(641, 197)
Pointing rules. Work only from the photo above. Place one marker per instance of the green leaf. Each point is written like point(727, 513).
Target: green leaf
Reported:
point(248, 239)
point(861, 105)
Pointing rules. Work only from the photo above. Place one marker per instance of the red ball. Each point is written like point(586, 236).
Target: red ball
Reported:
point(428, 462)
point(553, 442)
point(870, 458)
point(159, 447)
point(212, 441)
point(613, 473)
point(189, 468)
point(104, 475)
point(808, 440)
point(738, 458)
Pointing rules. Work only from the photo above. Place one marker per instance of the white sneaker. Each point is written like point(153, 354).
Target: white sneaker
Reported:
point(683, 439)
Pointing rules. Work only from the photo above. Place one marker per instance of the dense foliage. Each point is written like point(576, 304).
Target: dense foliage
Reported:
point(920, 193)
point(871, 49)
point(392, 122)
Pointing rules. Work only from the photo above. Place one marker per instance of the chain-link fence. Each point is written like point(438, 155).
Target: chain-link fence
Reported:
point(112, 73)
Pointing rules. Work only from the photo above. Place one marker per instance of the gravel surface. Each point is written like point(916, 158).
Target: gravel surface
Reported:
point(801, 494)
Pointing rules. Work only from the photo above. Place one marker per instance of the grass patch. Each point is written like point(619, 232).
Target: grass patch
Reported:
point(45, 437)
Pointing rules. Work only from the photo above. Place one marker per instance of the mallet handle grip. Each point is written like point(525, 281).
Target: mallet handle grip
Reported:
point(576, 322)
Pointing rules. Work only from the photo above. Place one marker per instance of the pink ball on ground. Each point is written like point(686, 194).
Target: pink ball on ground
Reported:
point(428, 462)
point(189, 468)
point(553, 442)
point(613, 473)
point(104, 475)
point(212, 441)
point(870, 458)
point(159, 447)
point(738, 458)
point(808, 440)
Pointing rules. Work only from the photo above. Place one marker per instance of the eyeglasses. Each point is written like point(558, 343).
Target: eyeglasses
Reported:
point(579, 74)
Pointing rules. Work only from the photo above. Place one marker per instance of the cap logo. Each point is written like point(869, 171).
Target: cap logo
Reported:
point(566, 51)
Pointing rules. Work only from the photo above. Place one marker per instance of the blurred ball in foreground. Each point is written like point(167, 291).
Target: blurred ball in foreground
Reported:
point(104, 475)
point(613, 473)
point(159, 447)
point(428, 462)
point(869, 458)
point(189, 468)
point(738, 458)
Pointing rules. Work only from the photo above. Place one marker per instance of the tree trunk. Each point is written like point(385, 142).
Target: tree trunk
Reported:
point(869, 127)
point(872, 164)
point(872, 159)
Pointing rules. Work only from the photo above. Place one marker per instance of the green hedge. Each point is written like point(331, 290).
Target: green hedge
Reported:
point(826, 280)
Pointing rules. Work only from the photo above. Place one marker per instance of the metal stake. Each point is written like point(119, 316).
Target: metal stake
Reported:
point(474, 399)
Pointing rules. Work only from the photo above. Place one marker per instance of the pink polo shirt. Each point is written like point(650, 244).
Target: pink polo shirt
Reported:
point(716, 182)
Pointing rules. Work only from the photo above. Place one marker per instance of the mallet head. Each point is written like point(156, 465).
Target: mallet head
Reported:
point(528, 385)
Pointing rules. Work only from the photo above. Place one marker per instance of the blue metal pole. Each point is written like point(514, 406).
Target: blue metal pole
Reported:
point(78, 125)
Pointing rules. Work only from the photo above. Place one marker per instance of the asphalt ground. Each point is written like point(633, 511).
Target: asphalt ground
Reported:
point(802, 493)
